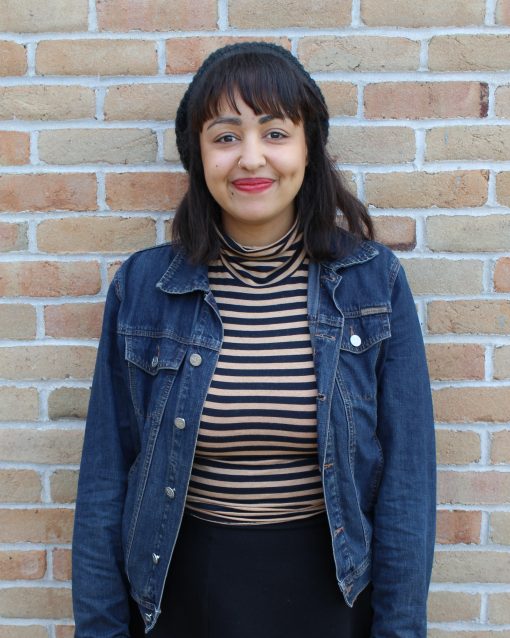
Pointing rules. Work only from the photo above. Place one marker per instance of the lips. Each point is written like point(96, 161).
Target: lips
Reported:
point(253, 184)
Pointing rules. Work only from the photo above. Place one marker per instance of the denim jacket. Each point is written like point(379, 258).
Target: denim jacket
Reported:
point(161, 337)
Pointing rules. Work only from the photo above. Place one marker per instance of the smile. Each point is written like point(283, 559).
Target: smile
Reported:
point(253, 185)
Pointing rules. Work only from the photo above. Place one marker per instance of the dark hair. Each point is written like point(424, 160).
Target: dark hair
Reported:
point(270, 80)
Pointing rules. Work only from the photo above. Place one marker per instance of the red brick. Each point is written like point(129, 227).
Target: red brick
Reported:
point(13, 237)
point(68, 403)
point(14, 148)
point(503, 12)
point(420, 100)
point(39, 102)
point(143, 101)
point(79, 321)
point(185, 55)
point(458, 526)
point(502, 275)
point(17, 321)
point(156, 15)
point(49, 278)
point(36, 526)
point(57, 446)
point(145, 191)
point(474, 488)
point(31, 16)
point(399, 233)
point(47, 362)
point(21, 565)
point(455, 361)
point(63, 485)
point(478, 52)
point(13, 59)
point(434, 13)
point(64, 631)
point(20, 486)
point(25, 631)
point(47, 192)
point(245, 14)
point(469, 317)
point(62, 564)
point(41, 602)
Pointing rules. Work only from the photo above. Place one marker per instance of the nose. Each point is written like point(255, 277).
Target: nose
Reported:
point(251, 154)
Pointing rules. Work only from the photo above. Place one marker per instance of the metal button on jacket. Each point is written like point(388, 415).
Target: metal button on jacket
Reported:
point(355, 340)
point(154, 362)
point(170, 492)
point(195, 359)
point(155, 558)
point(180, 423)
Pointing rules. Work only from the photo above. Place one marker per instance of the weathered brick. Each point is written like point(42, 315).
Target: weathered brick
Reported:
point(41, 446)
point(79, 321)
point(13, 237)
point(63, 485)
point(341, 98)
point(468, 143)
point(503, 187)
point(17, 321)
point(503, 12)
point(372, 145)
point(465, 405)
point(41, 602)
point(471, 567)
point(96, 57)
point(500, 528)
point(500, 447)
point(502, 107)
point(170, 152)
point(31, 16)
point(143, 101)
point(35, 526)
point(46, 102)
point(444, 276)
point(145, 191)
point(478, 633)
point(469, 317)
point(502, 275)
point(464, 233)
point(156, 15)
point(68, 403)
point(90, 146)
point(499, 608)
point(455, 361)
point(458, 526)
point(399, 233)
point(44, 192)
point(457, 447)
point(18, 404)
point(13, 58)
point(16, 565)
point(67, 631)
point(62, 564)
point(49, 278)
point(14, 148)
point(450, 606)
point(474, 488)
point(19, 486)
point(502, 362)
point(244, 14)
point(478, 52)
point(455, 189)
point(185, 55)
point(96, 234)
point(434, 13)
point(47, 362)
point(420, 100)
point(359, 53)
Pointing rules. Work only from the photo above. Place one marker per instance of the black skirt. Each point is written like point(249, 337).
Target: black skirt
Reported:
point(264, 581)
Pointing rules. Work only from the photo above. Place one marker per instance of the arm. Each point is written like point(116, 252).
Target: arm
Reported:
point(100, 596)
point(404, 518)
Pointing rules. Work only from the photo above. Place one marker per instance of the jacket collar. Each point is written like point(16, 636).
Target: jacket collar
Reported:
point(183, 277)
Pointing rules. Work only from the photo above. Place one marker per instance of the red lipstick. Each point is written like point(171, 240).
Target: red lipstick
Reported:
point(253, 184)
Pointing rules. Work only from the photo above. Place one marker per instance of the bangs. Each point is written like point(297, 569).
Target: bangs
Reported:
point(266, 83)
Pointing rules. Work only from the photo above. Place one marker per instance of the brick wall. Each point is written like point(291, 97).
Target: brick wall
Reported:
point(419, 94)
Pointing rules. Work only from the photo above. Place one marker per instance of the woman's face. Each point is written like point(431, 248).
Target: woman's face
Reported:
point(254, 166)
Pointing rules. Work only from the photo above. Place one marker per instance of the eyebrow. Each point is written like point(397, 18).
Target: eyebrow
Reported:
point(236, 121)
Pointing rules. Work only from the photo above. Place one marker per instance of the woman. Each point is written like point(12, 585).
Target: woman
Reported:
point(259, 449)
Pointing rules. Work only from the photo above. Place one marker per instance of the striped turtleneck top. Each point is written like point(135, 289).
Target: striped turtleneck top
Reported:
point(256, 455)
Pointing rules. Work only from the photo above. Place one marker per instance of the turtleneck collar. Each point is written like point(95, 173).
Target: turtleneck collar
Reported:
point(263, 265)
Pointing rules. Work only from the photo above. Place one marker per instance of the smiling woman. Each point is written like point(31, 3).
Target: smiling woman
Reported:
point(259, 450)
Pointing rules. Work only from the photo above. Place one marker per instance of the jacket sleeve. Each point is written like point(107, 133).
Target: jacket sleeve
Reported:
point(404, 517)
point(100, 595)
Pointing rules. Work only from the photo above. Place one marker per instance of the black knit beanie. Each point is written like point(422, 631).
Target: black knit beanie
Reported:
point(223, 54)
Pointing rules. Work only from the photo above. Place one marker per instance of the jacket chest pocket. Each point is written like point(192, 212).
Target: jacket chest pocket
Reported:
point(364, 331)
point(153, 363)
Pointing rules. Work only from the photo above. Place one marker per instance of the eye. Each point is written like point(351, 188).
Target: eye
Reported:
point(276, 135)
point(226, 138)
